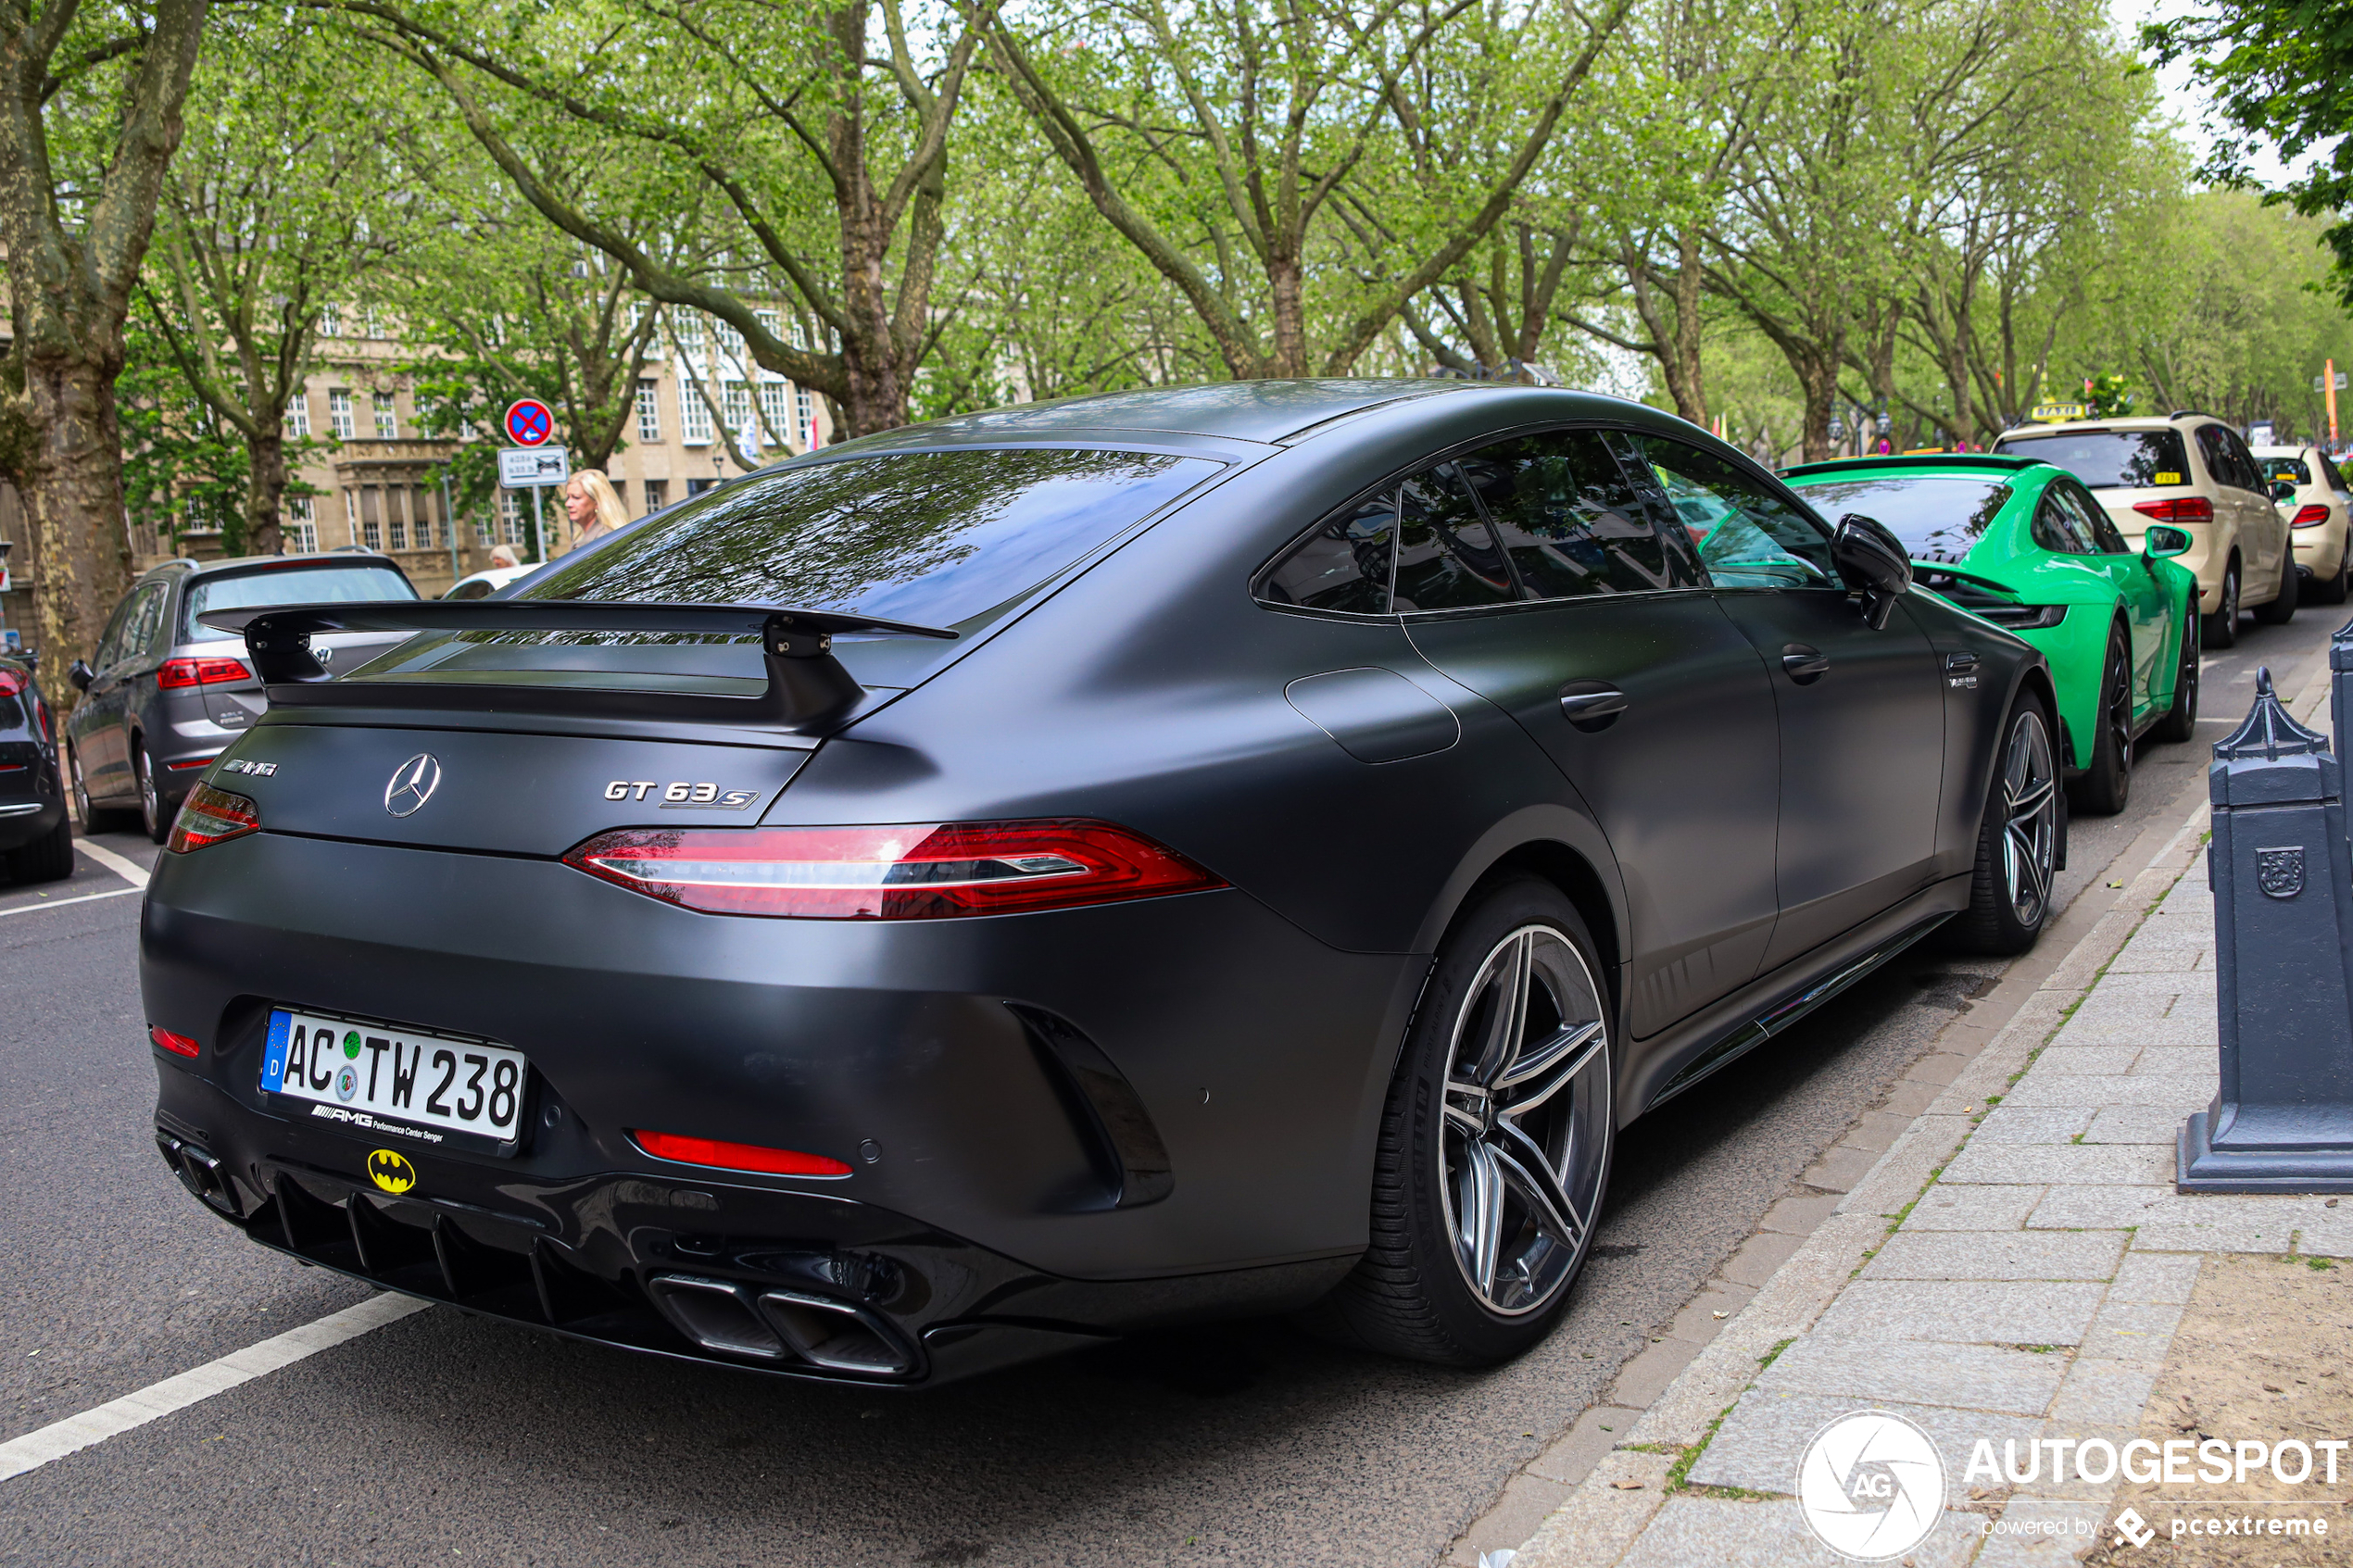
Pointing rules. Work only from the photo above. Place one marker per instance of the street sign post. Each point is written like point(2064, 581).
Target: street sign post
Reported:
point(529, 423)
point(533, 468)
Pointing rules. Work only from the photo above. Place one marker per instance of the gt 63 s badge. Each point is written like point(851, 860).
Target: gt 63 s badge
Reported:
point(390, 1170)
point(703, 796)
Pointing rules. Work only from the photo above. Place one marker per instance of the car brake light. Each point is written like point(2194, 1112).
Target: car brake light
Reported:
point(12, 681)
point(201, 672)
point(211, 815)
point(2311, 517)
point(918, 872)
point(2184, 508)
point(737, 1156)
point(178, 1045)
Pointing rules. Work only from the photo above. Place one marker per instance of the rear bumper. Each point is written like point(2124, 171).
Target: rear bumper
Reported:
point(925, 1054)
point(28, 815)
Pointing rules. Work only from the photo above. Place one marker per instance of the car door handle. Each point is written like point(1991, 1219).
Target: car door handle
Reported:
point(1805, 665)
point(1591, 704)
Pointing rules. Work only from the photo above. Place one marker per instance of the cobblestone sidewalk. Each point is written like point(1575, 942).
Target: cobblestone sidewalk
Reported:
point(2015, 1267)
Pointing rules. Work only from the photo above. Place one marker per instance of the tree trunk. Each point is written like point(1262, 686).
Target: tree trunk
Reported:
point(266, 491)
point(1817, 379)
point(1683, 374)
point(73, 504)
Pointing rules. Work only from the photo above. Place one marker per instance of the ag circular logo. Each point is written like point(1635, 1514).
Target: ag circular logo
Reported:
point(1872, 1486)
point(390, 1170)
point(412, 785)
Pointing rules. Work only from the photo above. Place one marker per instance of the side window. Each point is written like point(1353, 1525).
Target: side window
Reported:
point(139, 637)
point(2094, 516)
point(2329, 475)
point(1561, 508)
point(1344, 565)
point(1446, 557)
point(2057, 530)
point(2250, 471)
point(1749, 534)
point(2225, 459)
point(109, 650)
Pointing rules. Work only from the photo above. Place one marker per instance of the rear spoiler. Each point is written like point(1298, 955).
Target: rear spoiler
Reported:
point(1922, 571)
point(806, 682)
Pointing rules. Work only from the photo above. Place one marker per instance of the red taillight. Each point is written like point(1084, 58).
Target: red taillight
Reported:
point(178, 1045)
point(918, 872)
point(211, 815)
point(2186, 509)
point(201, 672)
point(12, 681)
point(737, 1156)
point(2311, 517)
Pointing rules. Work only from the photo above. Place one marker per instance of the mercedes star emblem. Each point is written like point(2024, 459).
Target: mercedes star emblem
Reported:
point(412, 785)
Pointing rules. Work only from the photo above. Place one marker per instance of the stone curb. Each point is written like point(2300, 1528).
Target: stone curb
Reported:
point(1610, 1507)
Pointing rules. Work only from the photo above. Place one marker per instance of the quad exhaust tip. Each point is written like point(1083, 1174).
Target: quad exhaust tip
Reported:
point(731, 1318)
point(199, 1172)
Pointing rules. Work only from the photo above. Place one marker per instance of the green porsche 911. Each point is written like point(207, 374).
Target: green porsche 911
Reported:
point(2024, 545)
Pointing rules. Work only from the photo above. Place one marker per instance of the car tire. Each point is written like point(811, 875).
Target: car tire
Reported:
point(47, 859)
point(2222, 628)
point(154, 815)
point(2180, 722)
point(1483, 1214)
point(2332, 592)
point(2105, 787)
point(93, 816)
point(2018, 839)
point(2282, 608)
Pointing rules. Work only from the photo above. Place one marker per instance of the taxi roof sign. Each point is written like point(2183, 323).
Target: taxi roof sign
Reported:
point(2051, 413)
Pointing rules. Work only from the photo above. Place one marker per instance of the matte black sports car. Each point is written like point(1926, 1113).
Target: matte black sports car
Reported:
point(36, 840)
point(991, 885)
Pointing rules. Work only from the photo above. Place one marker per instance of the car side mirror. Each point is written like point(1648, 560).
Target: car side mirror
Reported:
point(81, 674)
point(1874, 563)
point(2162, 541)
point(2283, 490)
point(29, 658)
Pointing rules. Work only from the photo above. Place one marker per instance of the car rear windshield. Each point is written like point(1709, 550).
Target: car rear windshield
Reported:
point(2108, 460)
point(321, 584)
point(932, 537)
point(2291, 470)
point(1939, 517)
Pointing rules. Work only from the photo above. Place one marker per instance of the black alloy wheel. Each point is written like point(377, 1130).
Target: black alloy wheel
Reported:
point(2282, 608)
point(2222, 628)
point(154, 815)
point(2017, 841)
point(1496, 1144)
point(2180, 722)
point(2105, 787)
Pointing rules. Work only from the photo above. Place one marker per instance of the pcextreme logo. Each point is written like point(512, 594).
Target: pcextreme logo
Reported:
point(1872, 1486)
point(390, 1170)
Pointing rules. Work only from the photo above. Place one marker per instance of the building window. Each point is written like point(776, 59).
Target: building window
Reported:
point(375, 323)
point(330, 323)
point(372, 534)
point(694, 415)
point(299, 532)
point(399, 529)
point(649, 412)
point(298, 418)
point(339, 415)
point(686, 329)
point(510, 515)
point(731, 342)
point(697, 486)
point(770, 322)
point(657, 494)
point(772, 410)
point(805, 408)
point(387, 416)
point(737, 405)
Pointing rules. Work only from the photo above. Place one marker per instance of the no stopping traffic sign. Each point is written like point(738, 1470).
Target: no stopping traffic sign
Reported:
point(529, 422)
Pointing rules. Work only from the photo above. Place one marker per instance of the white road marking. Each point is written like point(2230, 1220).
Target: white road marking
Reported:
point(157, 1400)
point(82, 898)
point(122, 866)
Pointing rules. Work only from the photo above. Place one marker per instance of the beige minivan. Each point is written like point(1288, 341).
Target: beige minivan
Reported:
point(2194, 472)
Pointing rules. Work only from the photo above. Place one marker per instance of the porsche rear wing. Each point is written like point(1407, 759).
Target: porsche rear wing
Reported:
point(806, 684)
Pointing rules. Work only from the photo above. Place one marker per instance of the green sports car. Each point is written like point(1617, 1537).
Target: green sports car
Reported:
point(2024, 545)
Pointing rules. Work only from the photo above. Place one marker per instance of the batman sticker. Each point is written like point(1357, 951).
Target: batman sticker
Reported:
point(390, 1170)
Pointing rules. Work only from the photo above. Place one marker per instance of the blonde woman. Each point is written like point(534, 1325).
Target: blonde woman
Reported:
point(593, 507)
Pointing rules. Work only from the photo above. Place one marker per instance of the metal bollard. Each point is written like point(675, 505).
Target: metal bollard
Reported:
point(2282, 881)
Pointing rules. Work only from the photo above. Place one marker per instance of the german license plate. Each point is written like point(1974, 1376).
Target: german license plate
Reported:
point(379, 1078)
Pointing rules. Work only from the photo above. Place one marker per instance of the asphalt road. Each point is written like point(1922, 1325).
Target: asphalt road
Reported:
point(445, 1439)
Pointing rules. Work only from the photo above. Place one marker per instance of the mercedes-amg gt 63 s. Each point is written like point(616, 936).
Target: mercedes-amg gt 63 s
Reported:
point(982, 888)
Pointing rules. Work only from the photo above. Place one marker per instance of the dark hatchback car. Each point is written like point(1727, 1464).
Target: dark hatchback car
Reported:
point(163, 693)
point(1022, 878)
point(36, 838)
